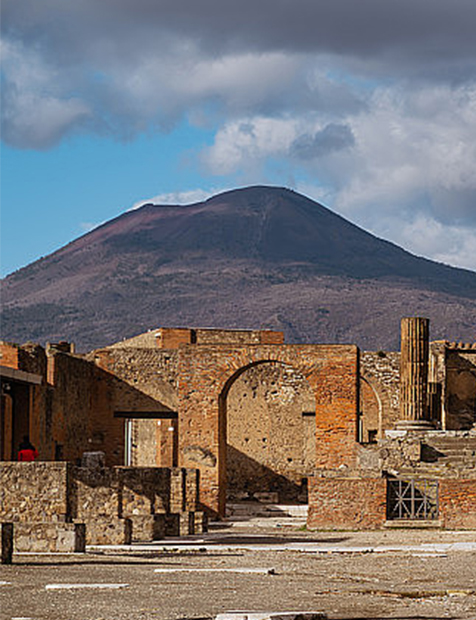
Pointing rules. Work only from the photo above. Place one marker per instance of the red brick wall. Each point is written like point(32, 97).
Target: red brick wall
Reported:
point(270, 337)
point(346, 503)
point(8, 355)
point(237, 337)
point(205, 374)
point(458, 503)
point(168, 338)
point(172, 338)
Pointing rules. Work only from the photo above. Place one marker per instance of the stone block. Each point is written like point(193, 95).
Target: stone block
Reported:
point(93, 460)
point(180, 524)
point(148, 527)
point(272, 615)
point(268, 497)
point(109, 531)
point(97, 494)
point(145, 490)
point(6, 541)
point(200, 522)
point(50, 537)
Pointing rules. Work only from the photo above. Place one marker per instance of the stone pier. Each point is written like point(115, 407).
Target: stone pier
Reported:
point(6, 543)
point(414, 374)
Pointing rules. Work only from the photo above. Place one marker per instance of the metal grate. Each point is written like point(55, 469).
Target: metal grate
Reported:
point(412, 499)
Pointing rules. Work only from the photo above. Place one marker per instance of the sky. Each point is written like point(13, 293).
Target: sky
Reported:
point(368, 107)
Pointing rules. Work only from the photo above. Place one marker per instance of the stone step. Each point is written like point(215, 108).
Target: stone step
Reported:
point(453, 444)
point(454, 451)
point(248, 509)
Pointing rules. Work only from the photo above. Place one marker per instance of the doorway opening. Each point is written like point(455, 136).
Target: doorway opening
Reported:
point(269, 423)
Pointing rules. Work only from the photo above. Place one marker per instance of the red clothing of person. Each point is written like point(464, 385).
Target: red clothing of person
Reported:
point(27, 454)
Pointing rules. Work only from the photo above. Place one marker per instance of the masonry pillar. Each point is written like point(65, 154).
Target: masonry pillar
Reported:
point(6, 543)
point(414, 374)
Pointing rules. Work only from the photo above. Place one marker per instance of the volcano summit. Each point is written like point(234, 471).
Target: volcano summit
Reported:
point(253, 257)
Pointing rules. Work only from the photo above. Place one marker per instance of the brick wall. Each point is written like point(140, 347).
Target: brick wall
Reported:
point(458, 504)
point(75, 411)
point(346, 503)
point(168, 338)
point(28, 401)
point(145, 490)
point(8, 355)
point(144, 380)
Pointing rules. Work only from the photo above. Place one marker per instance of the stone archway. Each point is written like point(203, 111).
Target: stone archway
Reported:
point(270, 414)
point(205, 372)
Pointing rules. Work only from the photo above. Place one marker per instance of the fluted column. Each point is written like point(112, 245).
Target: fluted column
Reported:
point(414, 374)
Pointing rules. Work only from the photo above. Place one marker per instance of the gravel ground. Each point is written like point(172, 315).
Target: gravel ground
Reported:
point(403, 584)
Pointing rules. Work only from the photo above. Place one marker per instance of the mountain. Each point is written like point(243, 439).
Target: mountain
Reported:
point(247, 258)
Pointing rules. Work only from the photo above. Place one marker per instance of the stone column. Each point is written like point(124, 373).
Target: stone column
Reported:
point(414, 374)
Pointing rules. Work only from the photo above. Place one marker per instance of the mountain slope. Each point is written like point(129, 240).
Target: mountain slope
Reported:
point(258, 256)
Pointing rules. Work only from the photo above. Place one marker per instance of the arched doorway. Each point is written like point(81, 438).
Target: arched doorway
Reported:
point(205, 374)
point(270, 413)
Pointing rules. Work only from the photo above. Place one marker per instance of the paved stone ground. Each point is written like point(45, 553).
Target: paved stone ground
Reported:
point(399, 575)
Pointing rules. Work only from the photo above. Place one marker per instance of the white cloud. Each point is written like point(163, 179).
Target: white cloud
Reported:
point(403, 166)
point(425, 236)
point(178, 198)
point(244, 143)
point(86, 227)
point(35, 111)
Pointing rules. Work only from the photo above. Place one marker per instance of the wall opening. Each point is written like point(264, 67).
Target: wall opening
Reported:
point(16, 418)
point(370, 417)
point(269, 430)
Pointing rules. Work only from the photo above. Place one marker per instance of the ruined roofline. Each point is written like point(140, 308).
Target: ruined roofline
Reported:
point(173, 337)
point(458, 346)
point(464, 346)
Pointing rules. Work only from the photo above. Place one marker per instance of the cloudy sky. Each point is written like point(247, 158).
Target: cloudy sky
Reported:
point(368, 106)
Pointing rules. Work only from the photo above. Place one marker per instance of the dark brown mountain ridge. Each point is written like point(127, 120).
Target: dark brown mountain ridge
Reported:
point(253, 257)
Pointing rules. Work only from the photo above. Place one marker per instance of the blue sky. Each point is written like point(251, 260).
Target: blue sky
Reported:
point(51, 197)
point(368, 107)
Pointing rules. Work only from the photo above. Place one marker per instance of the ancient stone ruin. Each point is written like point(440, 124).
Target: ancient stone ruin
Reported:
point(177, 422)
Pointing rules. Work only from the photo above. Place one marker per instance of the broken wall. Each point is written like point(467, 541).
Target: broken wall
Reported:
point(460, 391)
point(145, 383)
point(379, 393)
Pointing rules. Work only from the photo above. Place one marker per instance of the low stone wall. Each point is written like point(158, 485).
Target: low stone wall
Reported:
point(346, 503)
point(95, 494)
point(109, 531)
point(37, 491)
point(117, 504)
point(146, 490)
point(50, 537)
point(149, 527)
